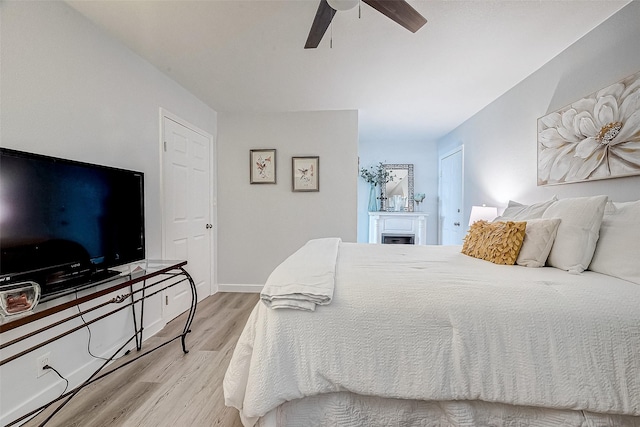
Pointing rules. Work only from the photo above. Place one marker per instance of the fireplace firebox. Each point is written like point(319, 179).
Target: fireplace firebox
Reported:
point(398, 239)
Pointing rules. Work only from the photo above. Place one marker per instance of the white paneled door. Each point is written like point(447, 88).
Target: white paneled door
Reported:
point(187, 216)
point(452, 226)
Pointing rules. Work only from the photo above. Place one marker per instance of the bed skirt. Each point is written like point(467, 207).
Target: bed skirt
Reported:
point(351, 410)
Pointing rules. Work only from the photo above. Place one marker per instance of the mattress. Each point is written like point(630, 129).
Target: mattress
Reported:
point(427, 323)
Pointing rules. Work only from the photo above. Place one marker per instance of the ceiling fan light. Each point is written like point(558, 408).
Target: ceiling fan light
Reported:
point(342, 4)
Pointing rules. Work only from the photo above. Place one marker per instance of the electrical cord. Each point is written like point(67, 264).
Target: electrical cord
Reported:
point(56, 371)
point(89, 340)
point(38, 412)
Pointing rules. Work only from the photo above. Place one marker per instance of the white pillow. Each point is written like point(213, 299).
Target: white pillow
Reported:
point(518, 212)
point(577, 233)
point(538, 241)
point(618, 249)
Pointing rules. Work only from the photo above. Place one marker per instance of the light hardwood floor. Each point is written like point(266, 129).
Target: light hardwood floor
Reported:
point(167, 387)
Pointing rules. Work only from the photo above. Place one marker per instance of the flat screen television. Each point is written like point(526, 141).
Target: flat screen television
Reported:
point(65, 223)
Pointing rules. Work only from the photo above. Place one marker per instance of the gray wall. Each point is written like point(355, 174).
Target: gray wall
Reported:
point(261, 224)
point(500, 141)
point(70, 91)
point(424, 157)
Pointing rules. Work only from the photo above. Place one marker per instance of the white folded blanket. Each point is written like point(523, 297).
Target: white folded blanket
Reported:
point(305, 279)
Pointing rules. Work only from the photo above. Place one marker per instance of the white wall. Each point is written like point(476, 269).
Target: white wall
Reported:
point(70, 91)
point(262, 224)
point(500, 141)
point(424, 157)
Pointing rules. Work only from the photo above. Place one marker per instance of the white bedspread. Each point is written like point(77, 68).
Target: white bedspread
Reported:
point(428, 323)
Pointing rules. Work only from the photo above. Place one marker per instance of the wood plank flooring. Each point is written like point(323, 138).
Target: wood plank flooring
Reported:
point(167, 387)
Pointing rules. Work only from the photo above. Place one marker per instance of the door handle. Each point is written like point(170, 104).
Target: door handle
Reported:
point(208, 226)
point(457, 224)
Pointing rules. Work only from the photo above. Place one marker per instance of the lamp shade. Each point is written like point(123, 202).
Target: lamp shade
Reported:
point(342, 4)
point(487, 213)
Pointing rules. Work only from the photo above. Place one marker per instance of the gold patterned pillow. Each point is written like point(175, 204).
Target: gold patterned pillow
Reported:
point(498, 242)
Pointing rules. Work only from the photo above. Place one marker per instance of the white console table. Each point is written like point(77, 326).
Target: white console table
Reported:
point(398, 227)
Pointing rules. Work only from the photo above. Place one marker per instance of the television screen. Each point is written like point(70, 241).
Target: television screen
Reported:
point(61, 219)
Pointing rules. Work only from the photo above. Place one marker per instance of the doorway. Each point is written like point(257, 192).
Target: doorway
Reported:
point(188, 214)
point(451, 186)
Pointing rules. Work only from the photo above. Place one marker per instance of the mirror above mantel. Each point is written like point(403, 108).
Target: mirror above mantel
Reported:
point(400, 190)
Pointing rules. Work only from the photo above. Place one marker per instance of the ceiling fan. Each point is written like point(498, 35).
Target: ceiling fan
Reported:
point(398, 10)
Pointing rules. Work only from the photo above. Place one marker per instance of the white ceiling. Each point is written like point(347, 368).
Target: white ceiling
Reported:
point(248, 55)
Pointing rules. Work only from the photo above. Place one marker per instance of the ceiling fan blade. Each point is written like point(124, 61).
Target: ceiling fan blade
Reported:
point(399, 11)
point(321, 22)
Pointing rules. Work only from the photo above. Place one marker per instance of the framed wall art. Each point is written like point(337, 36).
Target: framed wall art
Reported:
point(305, 173)
point(597, 137)
point(262, 166)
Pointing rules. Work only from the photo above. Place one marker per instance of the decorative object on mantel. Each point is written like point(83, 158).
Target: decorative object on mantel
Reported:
point(376, 175)
point(402, 185)
point(373, 198)
point(305, 173)
point(398, 203)
point(597, 137)
point(262, 166)
point(418, 198)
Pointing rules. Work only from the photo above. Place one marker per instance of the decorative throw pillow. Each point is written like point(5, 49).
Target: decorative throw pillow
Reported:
point(518, 212)
point(538, 241)
point(577, 233)
point(498, 242)
point(618, 247)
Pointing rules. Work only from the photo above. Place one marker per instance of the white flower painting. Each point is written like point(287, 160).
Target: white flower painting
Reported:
point(597, 137)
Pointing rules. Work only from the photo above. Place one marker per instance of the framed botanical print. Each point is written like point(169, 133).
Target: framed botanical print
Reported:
point(305, 175)
point(262, 166)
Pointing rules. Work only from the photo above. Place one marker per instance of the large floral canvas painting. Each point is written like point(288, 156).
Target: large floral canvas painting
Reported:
point(597, 137)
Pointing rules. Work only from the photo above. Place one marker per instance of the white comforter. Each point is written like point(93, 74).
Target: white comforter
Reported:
point(428, 323)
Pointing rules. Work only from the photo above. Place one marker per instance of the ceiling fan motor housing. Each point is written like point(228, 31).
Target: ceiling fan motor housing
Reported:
point(343, 4)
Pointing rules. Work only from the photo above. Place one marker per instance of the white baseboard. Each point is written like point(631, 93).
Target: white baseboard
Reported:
point(153, 328)
point(256, 289)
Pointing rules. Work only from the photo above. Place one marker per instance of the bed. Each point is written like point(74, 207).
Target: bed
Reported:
point(426, 335)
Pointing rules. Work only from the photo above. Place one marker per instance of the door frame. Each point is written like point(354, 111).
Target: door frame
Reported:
point(460, 149)
point(213, 242)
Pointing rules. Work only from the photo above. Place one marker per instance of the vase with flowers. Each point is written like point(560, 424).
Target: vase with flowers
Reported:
point(418, 198)
point(376, 176)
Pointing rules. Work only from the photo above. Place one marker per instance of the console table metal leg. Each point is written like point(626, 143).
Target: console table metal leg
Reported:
point(192, 309)
point(136, 331)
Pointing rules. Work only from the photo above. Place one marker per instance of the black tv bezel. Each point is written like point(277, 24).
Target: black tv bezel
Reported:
point(76, 275)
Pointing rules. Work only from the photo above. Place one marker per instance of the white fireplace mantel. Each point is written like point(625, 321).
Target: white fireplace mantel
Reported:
point(400, 224)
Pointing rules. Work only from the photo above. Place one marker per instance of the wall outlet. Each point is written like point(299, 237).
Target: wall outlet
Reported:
point(43, 361)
